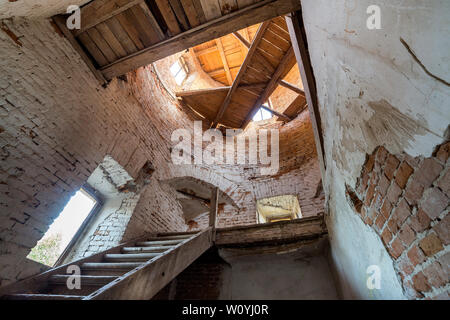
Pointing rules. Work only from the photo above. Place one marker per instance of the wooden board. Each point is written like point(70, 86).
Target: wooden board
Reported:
point(260, 11)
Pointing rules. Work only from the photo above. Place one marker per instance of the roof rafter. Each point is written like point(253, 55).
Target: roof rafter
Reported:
point(284, 67)
point(261, 30)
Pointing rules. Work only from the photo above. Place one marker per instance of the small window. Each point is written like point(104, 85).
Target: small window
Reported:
point(278, 209)
point(178, 70)
point(262, 114)
point(62, 231)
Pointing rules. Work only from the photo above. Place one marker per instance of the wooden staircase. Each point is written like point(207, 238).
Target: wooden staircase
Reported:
point(134, 270)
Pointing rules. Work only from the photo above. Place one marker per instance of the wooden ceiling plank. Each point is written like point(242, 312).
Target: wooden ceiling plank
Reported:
point(260, 11)
point(102, 44)
point(130, 29)
point(92, 49)
point(151, 18)
point(169, 16)
point(61, 23)
point(241, 39)
point(248, 58)
point(223, 57)
point(207, 50)
point(191, 12)
point(297, 106)
point(211, 8)
point(198, 8)
point(121, 35)
point(99, 11)
point(146, 32)
point(285, 65)
point(262, 59)
point(111, 39)
point(179, 12)
point(290, 86)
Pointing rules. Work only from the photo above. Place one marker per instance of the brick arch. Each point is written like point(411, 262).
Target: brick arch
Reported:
point(237, 193)
point(405, 201)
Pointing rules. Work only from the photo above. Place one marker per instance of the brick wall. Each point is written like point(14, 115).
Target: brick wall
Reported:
point(406, 201)
point(57, 124)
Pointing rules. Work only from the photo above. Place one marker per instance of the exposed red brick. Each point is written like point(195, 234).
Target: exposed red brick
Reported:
point(386, 209)
point(406, 235)
point(431, 244)
point(386, 236)
point(442, 229)
point(370, 194)
point(414, 191)
point(381, 154)
point(444, 182)
point(415, 255)
point(403, 174)
point(391, 165)
point(443, 152)
point(428, 172)
point(420, 282)
point(434, 203)
point(435, 275)
point(383, 185)
point(420, 221)
point(405, 265)
point(392, 224)
point(393, 193)
point(369, 163)
point(401, 212)
point(380, 221)
point(396, 248)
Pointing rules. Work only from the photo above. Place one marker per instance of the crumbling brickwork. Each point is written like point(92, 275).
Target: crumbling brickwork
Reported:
point(406, 201)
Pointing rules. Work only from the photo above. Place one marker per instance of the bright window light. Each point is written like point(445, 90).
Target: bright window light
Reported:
point(178, 72)
point(262, 114)
point(63, 229)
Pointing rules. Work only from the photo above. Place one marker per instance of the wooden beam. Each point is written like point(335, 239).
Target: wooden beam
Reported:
point(283, 68)
point(60, 21)
point(214, 207)
point(218, 89)
point(258, 54)
point(148, 279)
point(298, 38)
point(276, 113)
point(99, 11)
point(223, 57)
point(260, 11)
point(280, 232)
point(201, 91)
point(241, 39)
point(261, 30)
point(290, 86)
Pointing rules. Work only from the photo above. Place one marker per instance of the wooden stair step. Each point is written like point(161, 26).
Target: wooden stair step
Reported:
point(145, 249)
point(85, 280)
point(110, 266)
point(130, 257)
point(158, 243)
point(175, 237)
point(39, 296)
